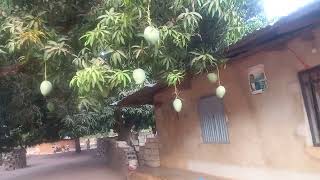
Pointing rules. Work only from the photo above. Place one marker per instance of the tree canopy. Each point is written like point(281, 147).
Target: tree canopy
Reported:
point(192, 37)
point(95, 52)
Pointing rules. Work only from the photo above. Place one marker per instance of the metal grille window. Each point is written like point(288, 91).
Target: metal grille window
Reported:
point(213, 122)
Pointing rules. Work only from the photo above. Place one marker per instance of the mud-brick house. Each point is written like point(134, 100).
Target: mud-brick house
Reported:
point(268, 124)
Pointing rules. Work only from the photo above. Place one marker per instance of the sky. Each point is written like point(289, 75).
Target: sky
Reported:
point(279, 8)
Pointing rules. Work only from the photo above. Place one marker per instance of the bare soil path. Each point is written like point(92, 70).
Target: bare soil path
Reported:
point(65, 166)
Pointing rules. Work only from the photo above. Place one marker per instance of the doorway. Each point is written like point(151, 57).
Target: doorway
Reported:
point(310, 86)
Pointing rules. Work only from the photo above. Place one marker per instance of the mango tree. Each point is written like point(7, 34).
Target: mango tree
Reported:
point(154, 41)
point(103, 48)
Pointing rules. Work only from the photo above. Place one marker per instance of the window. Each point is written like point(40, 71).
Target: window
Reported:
point(213, 121)
point(257, 79)
point(310, 85)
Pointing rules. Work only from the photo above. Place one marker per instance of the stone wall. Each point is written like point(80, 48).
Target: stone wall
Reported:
point(15, 160)
point(122, 155)
point(139, 139)
point(102, 147)
point(117, 153)
point(143, 136)
point(149, 153)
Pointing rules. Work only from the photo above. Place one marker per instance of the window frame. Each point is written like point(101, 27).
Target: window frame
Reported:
point(311, 104)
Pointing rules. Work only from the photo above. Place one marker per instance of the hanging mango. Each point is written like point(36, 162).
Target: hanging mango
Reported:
point(220, 91)
point(139, 76)
point(50, 106)
point(45, 86)
point(177, 104)
point(213, 77)
point(151, 34)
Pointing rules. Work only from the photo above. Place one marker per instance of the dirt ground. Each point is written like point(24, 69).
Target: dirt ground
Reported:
point(66, 166)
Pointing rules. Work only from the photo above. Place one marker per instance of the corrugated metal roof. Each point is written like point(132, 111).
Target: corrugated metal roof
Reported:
point(297, 21)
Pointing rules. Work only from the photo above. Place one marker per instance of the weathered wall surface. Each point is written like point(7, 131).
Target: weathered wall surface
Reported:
point(269, 132)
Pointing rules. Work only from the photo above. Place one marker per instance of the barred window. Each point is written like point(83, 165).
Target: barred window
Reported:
point(213, 121)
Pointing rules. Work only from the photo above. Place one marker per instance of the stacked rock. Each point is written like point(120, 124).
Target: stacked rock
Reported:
point(15, 159)
point(102, 147)
point(149, 154)
point(128, 155)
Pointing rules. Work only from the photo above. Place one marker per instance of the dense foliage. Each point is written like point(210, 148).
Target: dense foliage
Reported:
point(23, 119)
point(193, 36)
point(95, 46)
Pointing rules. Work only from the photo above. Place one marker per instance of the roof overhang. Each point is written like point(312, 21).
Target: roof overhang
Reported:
point(282, 30)
point(143, 96)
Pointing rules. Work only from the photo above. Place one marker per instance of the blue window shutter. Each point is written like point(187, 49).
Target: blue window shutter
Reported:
point(213, 121)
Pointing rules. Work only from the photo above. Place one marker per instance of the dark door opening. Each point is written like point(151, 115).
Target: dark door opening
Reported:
point(310, 86)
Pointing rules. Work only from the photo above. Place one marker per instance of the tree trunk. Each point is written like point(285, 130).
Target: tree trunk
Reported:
point(124, 134)
point(77, 145)
point(122, 128)
point(1, 159)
